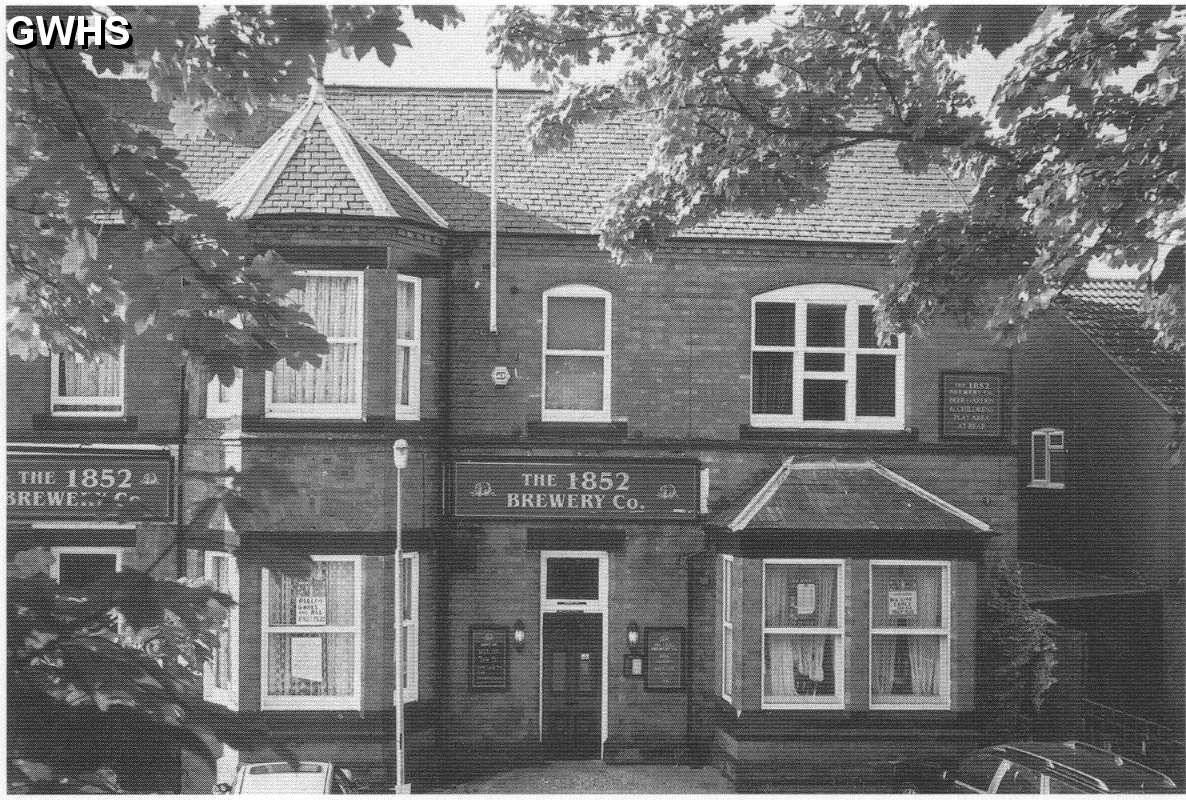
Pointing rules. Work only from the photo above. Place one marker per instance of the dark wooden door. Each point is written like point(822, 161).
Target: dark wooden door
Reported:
point(572, 685)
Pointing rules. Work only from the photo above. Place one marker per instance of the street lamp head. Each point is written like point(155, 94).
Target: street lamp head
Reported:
point(399, 453)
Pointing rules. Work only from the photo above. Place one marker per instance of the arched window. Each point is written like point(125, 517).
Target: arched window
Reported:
point(576, 354)
point(816, 362)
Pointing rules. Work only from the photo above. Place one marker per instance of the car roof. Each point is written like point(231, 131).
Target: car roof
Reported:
point(1086, 763)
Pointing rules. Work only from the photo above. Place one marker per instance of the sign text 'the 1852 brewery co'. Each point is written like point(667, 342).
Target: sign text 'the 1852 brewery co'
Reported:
point(91, 485)
point(578, 489)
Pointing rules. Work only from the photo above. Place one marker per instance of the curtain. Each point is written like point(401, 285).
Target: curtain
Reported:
point(884, 655)
point(95, 378)
point(924, 665)
point(332, 302)
point(796, 661)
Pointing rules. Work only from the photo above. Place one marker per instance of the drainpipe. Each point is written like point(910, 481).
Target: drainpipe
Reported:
point(494, 202)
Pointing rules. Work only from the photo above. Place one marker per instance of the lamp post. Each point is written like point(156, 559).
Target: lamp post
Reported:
point(400, 457)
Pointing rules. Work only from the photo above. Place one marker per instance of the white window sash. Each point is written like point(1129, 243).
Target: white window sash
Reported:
point(228, 695)
point(913, 702)
point(411, 409)
point(578, 415)
point(287, 410)
point(1040, 440)
point(835, 702)
point(412, 625)
point(728, 640)
point(71, 405)
point(852, 298)
point(289, 702)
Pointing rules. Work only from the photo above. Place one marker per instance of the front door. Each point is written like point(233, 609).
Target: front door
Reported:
point(572, 684)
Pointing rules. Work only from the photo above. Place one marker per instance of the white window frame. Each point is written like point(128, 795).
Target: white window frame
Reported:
point(411, 410)
point(286, 702)
point(412, 690)
point(577, 415)
point(852, 297)
point(1045, 435)
point(943, 702)
point(728, 631)
point(838, 634)
point(110, 406)
point(226, 696)
point(354, 410)
point(81, 550)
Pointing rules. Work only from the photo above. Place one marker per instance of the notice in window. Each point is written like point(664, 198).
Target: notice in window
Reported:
point(305, 658)
point(310, 609)
point(805, 599)
point(902, 603)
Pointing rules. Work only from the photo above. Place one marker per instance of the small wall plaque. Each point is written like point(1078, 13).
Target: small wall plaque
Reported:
point(971, 405)
point(665, 656)
point(488, 659)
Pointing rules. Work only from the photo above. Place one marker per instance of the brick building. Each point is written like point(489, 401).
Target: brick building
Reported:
point(685, 508)
point(1099, 404)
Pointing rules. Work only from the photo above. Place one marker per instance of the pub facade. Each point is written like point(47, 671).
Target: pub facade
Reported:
point(685, 509)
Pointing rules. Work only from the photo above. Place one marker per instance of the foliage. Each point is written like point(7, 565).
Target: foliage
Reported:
point(106, 236)
point(1079, 161)
point(103, 680)
point(1018, 652)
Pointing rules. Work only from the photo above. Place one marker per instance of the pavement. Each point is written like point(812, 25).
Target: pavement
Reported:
point(597, 777)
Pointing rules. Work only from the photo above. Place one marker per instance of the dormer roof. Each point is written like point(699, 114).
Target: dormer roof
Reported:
point(316, 163)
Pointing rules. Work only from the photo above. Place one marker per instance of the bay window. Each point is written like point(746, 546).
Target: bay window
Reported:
point(576, 354)
point(910, 632)
point(82, 387)
point(407, 630)
point(220, 676)
point(312, 636)
point(407, 342)
point(816, 362)
point(802, 633)
point(334, 299)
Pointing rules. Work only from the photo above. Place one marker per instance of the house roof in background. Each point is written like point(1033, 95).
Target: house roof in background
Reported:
point(1108, 312)
point(438, 140)
point(843, 496)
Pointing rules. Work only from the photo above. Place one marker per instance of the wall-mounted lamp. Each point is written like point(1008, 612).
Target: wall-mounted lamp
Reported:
point(519, 634)
point(632, 635)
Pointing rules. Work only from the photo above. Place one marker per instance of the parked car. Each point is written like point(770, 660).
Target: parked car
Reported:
point(283, 777)
point(1033, 768)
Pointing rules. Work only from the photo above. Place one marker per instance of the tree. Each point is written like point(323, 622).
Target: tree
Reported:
point(1080, 160)
point(1018, 652)
point(107, 238)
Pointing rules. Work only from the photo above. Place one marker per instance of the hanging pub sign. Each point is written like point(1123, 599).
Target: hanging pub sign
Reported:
point(91, 484)
point(971, 405)
point(577, 489)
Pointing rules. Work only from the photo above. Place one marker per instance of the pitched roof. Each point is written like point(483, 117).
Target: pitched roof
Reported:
point(438, 140)
point(1108, 312)
point(844, 495)
point(316, 164)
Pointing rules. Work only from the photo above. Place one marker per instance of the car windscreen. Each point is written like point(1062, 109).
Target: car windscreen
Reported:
point(978, 769)
point(283, 778)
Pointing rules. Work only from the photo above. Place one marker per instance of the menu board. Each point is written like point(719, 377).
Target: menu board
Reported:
point(664, 648)
point(971, 405)
point(487, 659)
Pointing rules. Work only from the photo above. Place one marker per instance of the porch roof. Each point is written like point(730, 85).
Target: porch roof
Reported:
point(844, 495)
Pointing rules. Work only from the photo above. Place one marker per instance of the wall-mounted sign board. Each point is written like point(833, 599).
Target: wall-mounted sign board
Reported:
point(972, 405)
point(487, 659)
point(91, 485)
point(664, 649)
point(577, 489)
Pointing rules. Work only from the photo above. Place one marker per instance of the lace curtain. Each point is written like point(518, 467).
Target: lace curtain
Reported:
point(907, 664)
point(89, 378)
point(332, 302)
